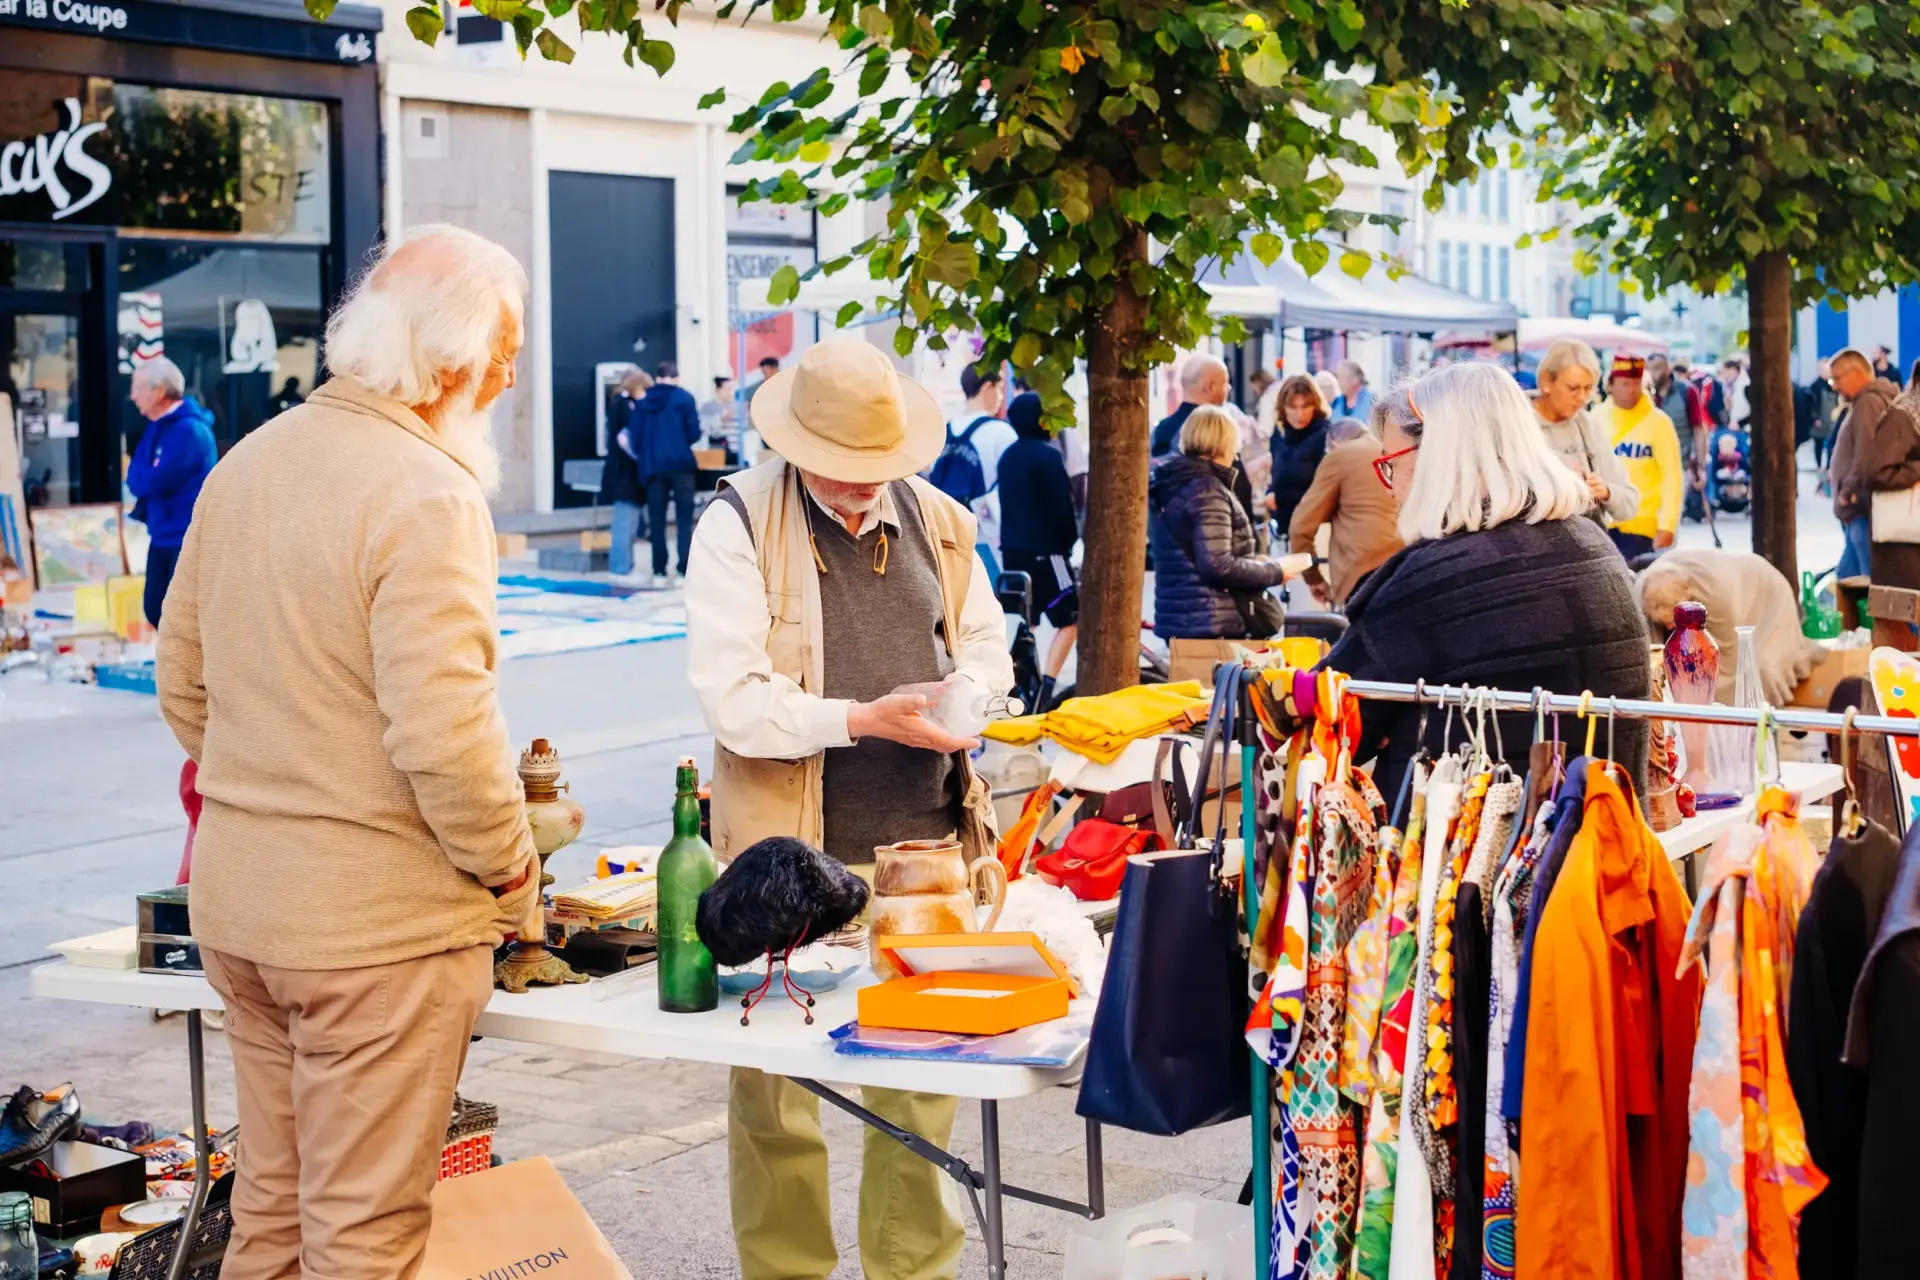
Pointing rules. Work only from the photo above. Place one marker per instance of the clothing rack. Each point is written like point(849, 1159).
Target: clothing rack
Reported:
point(1471, 697)
point(1539, 701)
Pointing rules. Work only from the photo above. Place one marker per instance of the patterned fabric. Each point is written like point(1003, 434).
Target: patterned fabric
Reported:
point(1513, 887)
point(1412, 1255)
point(1373, 1237)
point(1748, 1170)
point(1346, 818)
point(1781, 1177)
point(1367, 973)
point(1442, 1106)
point(1275, 1025)
point(1713, 1213)
point(1279, 805)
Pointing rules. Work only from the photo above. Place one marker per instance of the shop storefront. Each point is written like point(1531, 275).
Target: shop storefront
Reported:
point(181, 180)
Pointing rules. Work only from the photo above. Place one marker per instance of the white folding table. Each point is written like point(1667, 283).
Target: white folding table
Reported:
point(621, 1015)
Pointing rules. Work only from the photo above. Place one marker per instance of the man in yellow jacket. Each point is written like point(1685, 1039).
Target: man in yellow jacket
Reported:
point(1649, 448)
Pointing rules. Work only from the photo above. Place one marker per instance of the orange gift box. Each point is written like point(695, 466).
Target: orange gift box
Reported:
point(967, 984)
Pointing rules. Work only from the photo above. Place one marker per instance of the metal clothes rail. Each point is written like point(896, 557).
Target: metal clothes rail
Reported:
point(1470, 696)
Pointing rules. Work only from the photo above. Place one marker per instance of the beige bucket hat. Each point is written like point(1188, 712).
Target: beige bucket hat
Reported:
point(845, 413)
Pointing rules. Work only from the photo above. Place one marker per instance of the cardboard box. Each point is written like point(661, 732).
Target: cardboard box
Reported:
point(86, 1181)
point(967, 984)
point(510, 546)
point(596, 539)
point(1838, 664)
point(710, 459)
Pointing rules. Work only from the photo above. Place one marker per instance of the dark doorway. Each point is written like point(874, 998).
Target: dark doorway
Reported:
point(611, 298)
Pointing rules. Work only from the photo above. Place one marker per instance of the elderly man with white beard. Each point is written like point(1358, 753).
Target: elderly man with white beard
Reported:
point(327, 658)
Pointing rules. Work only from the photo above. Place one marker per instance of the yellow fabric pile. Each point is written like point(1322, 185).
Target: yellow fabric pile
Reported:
point(1101, 727)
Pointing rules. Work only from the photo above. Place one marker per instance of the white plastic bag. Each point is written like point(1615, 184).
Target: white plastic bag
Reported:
point(1178, 1237)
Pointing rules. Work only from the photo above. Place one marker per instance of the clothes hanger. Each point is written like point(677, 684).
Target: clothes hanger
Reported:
point(1851, 823)
point(1402, 802)
point(1520, 823)
point(1502, 771)
point(1585, 712)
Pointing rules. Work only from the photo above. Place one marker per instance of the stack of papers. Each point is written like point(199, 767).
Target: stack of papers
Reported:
point(620, 897)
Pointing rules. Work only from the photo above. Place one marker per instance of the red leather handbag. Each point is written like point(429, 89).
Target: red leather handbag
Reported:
point(1092, 861)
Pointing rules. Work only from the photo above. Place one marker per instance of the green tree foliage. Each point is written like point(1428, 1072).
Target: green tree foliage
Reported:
point(1058, 178)
point(1775, 141)
point(1027, 146)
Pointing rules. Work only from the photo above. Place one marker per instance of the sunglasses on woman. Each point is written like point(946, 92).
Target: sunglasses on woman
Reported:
point(1383, 465)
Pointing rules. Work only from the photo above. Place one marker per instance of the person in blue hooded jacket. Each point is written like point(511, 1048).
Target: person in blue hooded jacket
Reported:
point(169, 465)
point(661, 432)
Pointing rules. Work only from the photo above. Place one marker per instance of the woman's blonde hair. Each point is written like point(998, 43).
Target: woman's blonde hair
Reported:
point(1563, 355)
point(636, 382)
point(1210, 432)
point(1483, 458)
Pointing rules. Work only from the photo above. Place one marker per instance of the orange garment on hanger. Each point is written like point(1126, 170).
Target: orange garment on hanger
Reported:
point(1603, 1129)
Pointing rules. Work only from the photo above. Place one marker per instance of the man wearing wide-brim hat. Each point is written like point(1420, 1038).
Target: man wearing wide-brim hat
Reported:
point(820, 581)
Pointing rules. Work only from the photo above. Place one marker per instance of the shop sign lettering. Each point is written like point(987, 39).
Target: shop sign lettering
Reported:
point(97, 17)
point(353, 48)
point(57, 163)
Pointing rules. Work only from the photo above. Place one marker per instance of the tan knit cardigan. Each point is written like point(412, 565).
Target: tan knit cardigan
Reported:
point(327, 655)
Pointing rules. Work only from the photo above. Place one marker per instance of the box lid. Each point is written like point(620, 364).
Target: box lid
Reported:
point(1020, 955)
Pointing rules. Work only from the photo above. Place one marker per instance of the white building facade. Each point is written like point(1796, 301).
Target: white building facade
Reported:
point(616, 190)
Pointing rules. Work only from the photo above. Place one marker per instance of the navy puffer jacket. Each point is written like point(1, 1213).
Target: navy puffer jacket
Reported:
point(1297, 452)
point(1203, 551)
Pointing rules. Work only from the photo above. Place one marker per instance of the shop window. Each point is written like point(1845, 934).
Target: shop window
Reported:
point(241, 322)
point(146, 158)
point(40, 374)
point(1445, 256)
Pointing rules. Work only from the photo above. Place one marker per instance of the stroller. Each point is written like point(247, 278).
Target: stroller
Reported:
point(1729, 470)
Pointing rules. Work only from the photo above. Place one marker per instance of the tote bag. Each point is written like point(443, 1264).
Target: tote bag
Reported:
point(1896, 515)
point(1168, 1051)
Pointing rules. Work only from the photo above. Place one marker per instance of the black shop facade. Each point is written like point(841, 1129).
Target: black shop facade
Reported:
point(193, 180)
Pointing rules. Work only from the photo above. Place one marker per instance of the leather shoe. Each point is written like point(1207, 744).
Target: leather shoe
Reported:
point(33, 1121)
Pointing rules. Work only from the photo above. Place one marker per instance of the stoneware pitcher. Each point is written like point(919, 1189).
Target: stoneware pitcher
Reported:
point(925, 886)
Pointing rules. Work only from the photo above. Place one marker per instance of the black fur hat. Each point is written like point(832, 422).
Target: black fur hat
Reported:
point(777, 894)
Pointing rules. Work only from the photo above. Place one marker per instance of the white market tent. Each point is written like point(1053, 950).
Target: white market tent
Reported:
point(1334, 300)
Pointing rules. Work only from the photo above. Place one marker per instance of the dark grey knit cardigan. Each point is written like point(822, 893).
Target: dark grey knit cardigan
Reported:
point(1549, 604)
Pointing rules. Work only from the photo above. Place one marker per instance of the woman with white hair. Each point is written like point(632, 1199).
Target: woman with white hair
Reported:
point(1504, 582)
point(1567, 376)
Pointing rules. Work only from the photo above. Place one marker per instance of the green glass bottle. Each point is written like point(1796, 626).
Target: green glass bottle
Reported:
point(688, 981)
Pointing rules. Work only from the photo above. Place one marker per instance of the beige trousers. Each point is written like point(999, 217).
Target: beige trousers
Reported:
point(345, 1080)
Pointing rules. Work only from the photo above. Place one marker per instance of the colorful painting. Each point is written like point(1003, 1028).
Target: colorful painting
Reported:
point(77, 545)
point(1896, 684)
point(134, 534)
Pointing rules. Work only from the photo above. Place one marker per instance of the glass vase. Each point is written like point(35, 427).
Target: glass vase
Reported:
point(1693, 674)
point(1732, 746)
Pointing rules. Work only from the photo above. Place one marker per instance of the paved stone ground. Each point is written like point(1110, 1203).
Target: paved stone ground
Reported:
point(91, 818)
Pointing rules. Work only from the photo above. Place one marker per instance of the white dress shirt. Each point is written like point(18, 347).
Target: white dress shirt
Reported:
point(756, 712)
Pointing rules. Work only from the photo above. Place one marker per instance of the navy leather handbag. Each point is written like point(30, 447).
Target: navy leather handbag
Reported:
point(1169, 1050)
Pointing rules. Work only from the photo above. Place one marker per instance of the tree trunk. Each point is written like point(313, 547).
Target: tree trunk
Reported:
point(1116, 533)
point(1776, 480)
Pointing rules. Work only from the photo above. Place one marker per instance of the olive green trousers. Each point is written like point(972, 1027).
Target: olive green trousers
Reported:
point(777, 1159)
